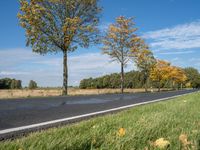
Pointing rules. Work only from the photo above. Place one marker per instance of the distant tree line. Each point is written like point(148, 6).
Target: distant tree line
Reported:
point(137, 79)
point(133, 79)
point(7, 83)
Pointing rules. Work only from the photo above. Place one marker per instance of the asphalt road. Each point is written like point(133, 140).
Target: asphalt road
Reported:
point(23, 112)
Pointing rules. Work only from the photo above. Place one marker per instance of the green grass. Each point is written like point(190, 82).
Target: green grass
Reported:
point(143, 125)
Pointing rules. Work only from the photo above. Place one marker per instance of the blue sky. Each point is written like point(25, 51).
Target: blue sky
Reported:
point(170, 27)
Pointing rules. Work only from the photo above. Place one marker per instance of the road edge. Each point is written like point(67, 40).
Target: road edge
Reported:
point(13, 133)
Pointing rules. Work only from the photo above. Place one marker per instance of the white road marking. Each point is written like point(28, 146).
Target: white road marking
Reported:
point(6, 131)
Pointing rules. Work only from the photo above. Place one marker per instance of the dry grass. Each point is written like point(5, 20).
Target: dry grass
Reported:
point(57, 92)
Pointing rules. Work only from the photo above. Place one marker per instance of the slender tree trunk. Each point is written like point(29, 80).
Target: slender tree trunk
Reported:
point(65, 74)
point(122, 78)
point(146, 87)
point(173, 85)
point(159, 87)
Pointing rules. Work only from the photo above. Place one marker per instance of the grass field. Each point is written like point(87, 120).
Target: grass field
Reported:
point(173, 125)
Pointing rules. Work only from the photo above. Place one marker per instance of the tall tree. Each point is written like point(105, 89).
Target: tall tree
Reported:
point(144, 60)
point(13, 84)
point(59, 25)
point(118, 42)
point(160, 72)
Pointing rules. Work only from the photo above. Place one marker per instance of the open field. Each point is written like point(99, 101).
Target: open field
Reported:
point(57, 92)
point(171, 124)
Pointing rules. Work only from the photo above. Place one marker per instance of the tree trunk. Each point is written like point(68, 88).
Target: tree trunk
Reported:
point(65, 74)
point(173, 85)
point(159, 87)
point(145, 86)
point(122, 78)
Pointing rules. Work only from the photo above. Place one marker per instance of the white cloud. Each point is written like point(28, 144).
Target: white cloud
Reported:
point(184, 36)
point(47, 70)
point(177, 52)
point(5, 73)
point(9, 57)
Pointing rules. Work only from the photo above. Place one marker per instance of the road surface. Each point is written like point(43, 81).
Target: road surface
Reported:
point(17, 115)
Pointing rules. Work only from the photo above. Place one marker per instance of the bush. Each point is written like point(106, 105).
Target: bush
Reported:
point(32, 85)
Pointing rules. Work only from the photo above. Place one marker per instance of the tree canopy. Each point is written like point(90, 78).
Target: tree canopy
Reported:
point(59, 25)
point(8, 83)
point(32, 85)
point(120, 41)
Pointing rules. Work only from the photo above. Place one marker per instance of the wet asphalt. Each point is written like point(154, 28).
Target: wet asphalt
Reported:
point(22, 112)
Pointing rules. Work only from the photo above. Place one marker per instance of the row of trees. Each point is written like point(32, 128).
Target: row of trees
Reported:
point(65, 25)
point(7, 83)
point(133, 79)
point(188, 77)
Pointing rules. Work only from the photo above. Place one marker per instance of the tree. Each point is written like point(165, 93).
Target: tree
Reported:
point(59, 26)
point(15, 84)
point(160, 72)
point(118, 42)
point(18, 84)
point(144, 60)
point(8, 83)
point(32, 85)
point(12, 85)
point(177, 76)
point(193, 77)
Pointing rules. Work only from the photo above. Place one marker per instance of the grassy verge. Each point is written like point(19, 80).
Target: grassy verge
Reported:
point(26, 93)
point(173, 124)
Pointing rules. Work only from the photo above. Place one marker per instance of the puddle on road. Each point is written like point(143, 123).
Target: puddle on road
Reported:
point(46, 105)
point(89, 101)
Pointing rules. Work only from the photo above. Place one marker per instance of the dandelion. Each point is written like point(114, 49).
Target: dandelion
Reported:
point(161, 143)
point(121, 132)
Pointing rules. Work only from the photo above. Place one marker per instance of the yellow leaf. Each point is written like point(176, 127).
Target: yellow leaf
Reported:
point(184, 140)
point(121, 132)
point(161, 143)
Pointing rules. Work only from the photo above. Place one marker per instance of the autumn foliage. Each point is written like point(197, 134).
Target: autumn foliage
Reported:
point(59, 26)
point(64, 25)
point(162, 72)
point(120, 42)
